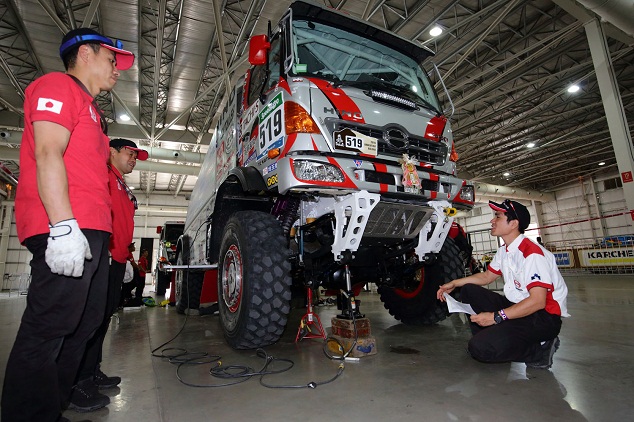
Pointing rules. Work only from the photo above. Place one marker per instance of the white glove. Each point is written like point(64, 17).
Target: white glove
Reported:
point(67, 248)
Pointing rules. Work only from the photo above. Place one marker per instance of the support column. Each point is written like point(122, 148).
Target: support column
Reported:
point(615, 114)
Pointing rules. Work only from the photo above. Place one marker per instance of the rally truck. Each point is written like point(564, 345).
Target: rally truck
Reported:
point(332, 165)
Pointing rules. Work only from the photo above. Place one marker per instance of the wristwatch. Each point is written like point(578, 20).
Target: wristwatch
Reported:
point(497, 317)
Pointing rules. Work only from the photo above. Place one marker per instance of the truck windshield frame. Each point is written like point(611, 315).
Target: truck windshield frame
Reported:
point(346, 58)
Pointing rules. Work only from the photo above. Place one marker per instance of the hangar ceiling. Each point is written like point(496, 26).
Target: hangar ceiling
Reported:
point(507, 65)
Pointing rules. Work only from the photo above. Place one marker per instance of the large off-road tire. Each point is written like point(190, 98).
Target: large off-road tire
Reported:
point(188, 285)
point(254, 282)
point(418, 305)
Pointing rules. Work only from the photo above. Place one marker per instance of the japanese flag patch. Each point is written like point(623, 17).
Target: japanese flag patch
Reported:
point(48, 104)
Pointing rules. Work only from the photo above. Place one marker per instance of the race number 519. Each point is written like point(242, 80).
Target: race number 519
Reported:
point(271, 118)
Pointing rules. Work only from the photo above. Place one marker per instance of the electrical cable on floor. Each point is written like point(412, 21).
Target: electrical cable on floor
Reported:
point(238, 373)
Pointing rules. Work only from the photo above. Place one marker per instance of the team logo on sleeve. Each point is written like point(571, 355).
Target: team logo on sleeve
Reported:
point(48, 104)
point(92, 114)
point(536, 277)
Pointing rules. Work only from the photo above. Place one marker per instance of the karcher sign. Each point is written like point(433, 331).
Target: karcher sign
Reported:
point(603, 257)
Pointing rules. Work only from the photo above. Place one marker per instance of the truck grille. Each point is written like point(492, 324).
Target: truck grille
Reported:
point(396, 220)
point(388, 179)
point(395, 141)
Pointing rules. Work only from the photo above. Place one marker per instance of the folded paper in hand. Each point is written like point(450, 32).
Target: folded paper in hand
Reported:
point(454, 306)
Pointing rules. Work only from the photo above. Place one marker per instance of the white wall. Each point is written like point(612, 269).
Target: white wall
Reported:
point(561, 222)
point(153, 211)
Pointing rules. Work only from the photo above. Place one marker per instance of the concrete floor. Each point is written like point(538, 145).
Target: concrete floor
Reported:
point(419, 373)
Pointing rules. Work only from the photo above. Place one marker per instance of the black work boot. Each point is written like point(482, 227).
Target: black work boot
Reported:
point(86, 398)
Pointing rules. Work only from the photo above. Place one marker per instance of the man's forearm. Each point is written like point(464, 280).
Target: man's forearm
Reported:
point(52, 186)
point(480, 279)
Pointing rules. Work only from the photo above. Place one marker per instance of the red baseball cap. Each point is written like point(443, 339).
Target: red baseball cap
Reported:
point(126, 143)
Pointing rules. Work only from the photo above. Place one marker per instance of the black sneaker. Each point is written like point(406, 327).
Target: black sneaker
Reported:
point(103, 381)
point(86, 398)
point(212, 309)
point(548, 351)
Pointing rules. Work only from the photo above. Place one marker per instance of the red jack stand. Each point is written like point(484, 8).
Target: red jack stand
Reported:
point(310, 318)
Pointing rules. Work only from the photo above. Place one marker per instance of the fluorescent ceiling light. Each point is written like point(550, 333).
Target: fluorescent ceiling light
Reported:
point(435, 31)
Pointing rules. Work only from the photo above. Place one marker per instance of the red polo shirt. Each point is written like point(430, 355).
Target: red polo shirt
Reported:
point(122, 216)
point(57, 98)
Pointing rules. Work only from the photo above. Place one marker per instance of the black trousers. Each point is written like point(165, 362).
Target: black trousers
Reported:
point(137, 283)
point(94, 348)
point(513, 340)
point(61, 315)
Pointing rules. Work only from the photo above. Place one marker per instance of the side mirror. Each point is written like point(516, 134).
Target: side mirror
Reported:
point(259, 47)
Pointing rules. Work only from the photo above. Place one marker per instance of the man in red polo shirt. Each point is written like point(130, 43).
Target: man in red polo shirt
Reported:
point(123, 156)
point(63, 217)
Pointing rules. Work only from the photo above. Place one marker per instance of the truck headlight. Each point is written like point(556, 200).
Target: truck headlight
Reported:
point(316, 171)
point(468, 193)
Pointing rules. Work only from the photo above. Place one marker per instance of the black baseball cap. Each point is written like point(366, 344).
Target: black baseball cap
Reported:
point(126, 143)
point(80, 36)
point(516, 210)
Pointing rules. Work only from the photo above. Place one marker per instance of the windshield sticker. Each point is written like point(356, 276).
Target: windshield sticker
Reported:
point(350, 140)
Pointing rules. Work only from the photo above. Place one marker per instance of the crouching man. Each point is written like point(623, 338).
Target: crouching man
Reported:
point(522, 325)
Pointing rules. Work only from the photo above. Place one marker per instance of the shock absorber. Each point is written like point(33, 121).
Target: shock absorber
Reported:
point(286, 209)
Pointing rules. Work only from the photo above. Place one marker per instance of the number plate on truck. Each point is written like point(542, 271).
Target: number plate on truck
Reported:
point(350, 140)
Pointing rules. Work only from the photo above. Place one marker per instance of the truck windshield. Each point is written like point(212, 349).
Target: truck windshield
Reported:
point(347, 59)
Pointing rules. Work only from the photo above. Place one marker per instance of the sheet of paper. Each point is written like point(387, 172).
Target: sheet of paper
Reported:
point(454, 306)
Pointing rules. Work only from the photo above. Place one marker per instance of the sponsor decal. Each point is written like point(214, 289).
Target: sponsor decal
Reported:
point(269, 169)
point(92, 114)
point(249, 116)
point(626, 176)
point(271, 128)
point(271, 181)
point(277, 144)
point(49, 104)
point(350, 140)
point(518, 286)
point(358, 163)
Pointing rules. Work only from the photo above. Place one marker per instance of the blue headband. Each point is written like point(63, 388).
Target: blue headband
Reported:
point(82, 39)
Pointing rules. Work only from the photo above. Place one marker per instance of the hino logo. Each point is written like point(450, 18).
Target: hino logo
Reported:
point(396, 138)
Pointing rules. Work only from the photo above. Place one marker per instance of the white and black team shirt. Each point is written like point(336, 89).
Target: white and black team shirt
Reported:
point(525, 265)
